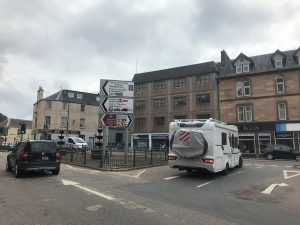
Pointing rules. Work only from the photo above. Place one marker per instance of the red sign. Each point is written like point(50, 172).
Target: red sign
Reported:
point(109, 120)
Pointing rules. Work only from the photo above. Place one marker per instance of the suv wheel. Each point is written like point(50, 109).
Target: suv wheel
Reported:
point(270, 156)
point(8, 167)
point(56, 171)
point(18, 172)
point(298, 158)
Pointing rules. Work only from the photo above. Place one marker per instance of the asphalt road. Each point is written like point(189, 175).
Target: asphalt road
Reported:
point(158, 195)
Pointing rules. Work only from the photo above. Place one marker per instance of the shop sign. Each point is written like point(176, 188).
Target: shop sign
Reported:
point(256, 127)
point(140, 136)
point(160, 136)
point(283, 135)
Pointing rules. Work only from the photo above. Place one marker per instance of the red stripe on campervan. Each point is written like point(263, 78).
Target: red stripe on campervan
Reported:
point(184, 136)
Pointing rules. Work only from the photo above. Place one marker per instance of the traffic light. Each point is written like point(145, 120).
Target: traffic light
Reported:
point(61, 137)
point(23, 128)
point(99, 137)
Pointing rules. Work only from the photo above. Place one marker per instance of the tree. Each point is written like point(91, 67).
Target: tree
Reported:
point(2, 117)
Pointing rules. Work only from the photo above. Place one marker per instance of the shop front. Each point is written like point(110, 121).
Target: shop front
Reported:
point(156, 141)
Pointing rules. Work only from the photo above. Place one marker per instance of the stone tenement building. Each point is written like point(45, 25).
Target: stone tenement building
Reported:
point(261, 95)
point(177, 93)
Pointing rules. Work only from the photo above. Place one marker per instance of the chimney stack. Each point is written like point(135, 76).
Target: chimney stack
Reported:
point(40, 94)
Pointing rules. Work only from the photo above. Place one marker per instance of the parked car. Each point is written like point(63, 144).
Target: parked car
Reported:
point(281, 152)
point(34, 155)
point(73, 143)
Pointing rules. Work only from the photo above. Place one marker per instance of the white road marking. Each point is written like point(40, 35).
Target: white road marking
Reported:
point(243, 171)
point(285, 173)
point(274, 165)
point(269, 189)
point(94, 208)
point(70, 166)
point(72, 183)
point(170, 178)
point(140, 173)
point(289, 166)
point(258, 167)
point(201, 185)
point(247, 164)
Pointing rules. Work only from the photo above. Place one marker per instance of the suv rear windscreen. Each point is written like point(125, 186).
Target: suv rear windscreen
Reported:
point(41, 147)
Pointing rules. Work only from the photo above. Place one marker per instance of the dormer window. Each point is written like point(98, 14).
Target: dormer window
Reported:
point(245, 67)
point(71, 94)
point(79, 96)
point(239, 69)
point(278, 63)
point(242, 68)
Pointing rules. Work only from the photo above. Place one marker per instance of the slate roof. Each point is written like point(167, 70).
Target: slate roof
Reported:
point(87, 98)
point(261, 63)
point(15, 123)
point(201, 68)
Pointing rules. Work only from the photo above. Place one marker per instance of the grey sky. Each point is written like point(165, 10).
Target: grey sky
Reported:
point(71, 44)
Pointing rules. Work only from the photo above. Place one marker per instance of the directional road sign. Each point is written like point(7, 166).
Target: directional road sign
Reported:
point(117, 105)
point(117, 88)
point(116, 120)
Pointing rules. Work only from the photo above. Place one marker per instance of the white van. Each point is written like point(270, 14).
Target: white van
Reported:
point(73, 142)
point(203, 144)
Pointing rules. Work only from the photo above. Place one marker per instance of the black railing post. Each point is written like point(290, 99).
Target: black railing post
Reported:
point(133, 157)
point(151, 156)
point(101, 158)
point(72, 154)
point(84, 157)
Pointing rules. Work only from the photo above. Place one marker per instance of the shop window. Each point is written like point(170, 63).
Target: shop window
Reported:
point(247, 144)
point(264, 140)
point(286, 138)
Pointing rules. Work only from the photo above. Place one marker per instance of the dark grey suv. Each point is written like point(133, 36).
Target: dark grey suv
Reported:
point(34, 155)
point(281, 152)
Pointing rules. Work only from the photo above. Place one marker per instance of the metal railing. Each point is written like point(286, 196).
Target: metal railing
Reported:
point(115, 159)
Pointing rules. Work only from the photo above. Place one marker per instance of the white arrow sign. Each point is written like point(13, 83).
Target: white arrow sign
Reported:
point(117, 88)
point(117, 105)
point(75, 184)
point(269, 189)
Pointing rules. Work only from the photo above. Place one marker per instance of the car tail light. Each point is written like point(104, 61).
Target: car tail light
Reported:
point(208, 161)
point(170, 157)
point(57, 155)
point(23, 155)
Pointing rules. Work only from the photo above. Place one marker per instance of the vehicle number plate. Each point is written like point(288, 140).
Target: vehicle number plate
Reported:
point(45, 158)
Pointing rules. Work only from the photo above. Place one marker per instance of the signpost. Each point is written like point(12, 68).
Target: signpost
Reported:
point(116, 108)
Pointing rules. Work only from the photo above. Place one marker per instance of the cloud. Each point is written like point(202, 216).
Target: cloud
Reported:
point(73, 44)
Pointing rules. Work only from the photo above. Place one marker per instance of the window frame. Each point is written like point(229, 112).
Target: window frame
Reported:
point(176, 101)
point(63, 124)
point(202, 79)
point(140, 87)
point(82, 123)
point(200, 100)
point(159, 85)
point(246, 65)
point(244, 113)
point(71, 94)
point(140, 123)
point(248, 87)
point(180, 82)
point(239, 86)
point(48, 105)
point(140, 104)
point(65, 106)
point(159, 120)
point(82, 107)
point(278, 61)
point(238, 68)
point(278, 84)
point(159, 103)
point(279, 110)
point(47, 122)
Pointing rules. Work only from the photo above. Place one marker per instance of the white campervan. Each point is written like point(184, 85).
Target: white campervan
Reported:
point(203, 144)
